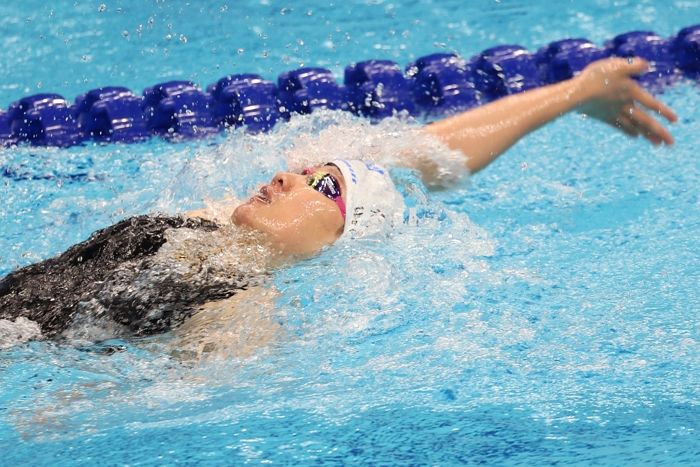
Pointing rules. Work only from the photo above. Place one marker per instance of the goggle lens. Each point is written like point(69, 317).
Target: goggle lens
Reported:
point(327, 185)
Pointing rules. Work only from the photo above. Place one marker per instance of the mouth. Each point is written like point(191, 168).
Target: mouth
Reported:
point(263, 195)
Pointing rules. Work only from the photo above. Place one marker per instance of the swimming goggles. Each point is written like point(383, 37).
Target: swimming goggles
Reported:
point(327, 185)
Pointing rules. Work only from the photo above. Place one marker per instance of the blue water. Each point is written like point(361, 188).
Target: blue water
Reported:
point(543, 312)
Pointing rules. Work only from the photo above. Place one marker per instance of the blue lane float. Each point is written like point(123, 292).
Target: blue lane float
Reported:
point(442, 83)
point(244, 99)
point(434, 85)
point(686, 49)
point(303, 90)
point(178, 109)
point(112, 114)
point(503, 70)
point(650, 47)
point(44, 120)
point(7, 137)
point(564, 59)
point(377, 89)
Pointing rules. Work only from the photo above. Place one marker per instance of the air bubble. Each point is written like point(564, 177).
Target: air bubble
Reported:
point(125, 33)
point(102, 8)
point(183, 38)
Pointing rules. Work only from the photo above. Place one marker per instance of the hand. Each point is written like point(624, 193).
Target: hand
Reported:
point(612, 96)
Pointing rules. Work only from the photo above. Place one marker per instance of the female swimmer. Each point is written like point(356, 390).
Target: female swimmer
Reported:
point(131, 276)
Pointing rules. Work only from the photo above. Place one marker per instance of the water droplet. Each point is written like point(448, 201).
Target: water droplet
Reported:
point(309, 12)
point(168, 37)
point(379, 90)
point(183, 38)
point(265, 53)
point(102, 8)
point(39, 85)
point(240, 51)
point(523, 166)
point(223, 9)
point(630, 60)
point(125, 33)
point(300, 42)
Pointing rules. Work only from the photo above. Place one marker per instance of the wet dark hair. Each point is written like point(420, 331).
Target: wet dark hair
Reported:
point(109, 276)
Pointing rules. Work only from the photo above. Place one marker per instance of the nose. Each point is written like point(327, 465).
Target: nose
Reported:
point(284, 181)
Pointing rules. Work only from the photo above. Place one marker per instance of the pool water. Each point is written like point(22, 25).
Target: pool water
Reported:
point(544, 311)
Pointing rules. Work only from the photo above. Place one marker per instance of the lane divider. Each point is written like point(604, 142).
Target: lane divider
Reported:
point(433, 85)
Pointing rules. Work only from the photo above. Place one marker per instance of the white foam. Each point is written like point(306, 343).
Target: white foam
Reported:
point(393, 142)
point(18, 331)
point(243, 161)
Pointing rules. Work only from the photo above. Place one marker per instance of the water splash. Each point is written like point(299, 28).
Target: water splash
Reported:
point(243, 161)
point(17, 332)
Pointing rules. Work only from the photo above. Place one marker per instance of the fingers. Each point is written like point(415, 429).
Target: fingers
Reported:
point(651, 103)
point(627, 126)
point(636, 65)
point(649, 127)
point(628, 101)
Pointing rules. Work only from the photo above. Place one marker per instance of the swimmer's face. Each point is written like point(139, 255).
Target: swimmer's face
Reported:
point(296, 218)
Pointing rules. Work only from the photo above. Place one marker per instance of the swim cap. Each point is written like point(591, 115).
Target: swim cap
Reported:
point(371, 200)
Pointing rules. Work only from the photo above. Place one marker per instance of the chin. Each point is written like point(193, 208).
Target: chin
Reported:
point(249, 215)
point(242, 215)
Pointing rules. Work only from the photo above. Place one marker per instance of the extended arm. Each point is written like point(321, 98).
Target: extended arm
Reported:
point(604, 90)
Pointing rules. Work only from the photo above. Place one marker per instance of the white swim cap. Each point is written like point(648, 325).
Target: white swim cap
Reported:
point(372, 203)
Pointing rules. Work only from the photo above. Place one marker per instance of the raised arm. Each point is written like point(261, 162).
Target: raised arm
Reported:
point(604, 90)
